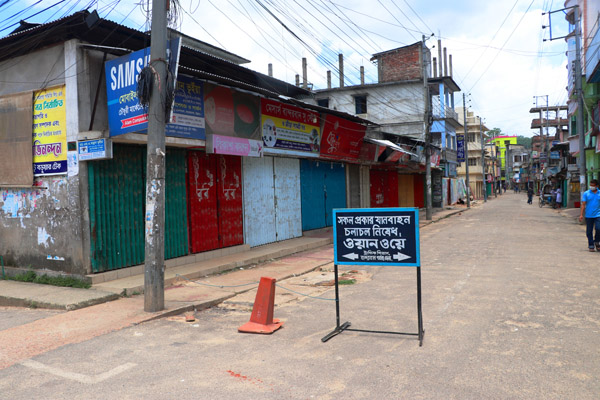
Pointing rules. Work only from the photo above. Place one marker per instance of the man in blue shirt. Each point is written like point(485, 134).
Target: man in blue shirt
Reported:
point(590, 207)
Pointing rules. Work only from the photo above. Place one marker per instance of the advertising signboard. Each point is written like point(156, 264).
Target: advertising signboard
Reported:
point(460, 147)
point(98, 149)
point(125, 113)
point(231, 113)
point(49, 132)
point(341, 139)
point(288, 129)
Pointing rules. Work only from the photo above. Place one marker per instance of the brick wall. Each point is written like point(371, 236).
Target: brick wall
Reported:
point(400, 64)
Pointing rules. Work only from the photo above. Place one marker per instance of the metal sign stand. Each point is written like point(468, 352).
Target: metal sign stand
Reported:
point(346, 325)
point(339, 328)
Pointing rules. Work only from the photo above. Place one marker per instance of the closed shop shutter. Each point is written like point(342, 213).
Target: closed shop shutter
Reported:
point(202, 192)
point(287, 200)
point(419, 191)
point(259, 200)
point(406, 195)
point(231, 218)
point(354, 186)
point(335, 189)
point(323, 187)
point(117, 203)
point(215, 199)
point(384, 188)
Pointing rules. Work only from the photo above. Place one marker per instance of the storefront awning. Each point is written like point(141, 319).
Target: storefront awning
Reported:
point(392, 146)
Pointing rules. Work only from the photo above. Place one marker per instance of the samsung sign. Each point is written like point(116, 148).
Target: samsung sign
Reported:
point(125, 113)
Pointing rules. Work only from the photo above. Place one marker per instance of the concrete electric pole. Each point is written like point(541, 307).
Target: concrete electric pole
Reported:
point(483, 162)
point(154, 272)
point(466, 152)
point(426, 118)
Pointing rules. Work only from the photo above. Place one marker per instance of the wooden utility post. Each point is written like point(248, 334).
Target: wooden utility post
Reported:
point(154, 272)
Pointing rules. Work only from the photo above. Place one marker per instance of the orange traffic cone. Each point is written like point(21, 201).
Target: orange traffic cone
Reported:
point(261, 320)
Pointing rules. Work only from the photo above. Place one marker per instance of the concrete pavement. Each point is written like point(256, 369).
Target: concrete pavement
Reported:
point(278, 260)
point(510, 296)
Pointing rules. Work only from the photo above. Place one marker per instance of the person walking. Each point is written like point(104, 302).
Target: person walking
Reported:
point(529, 195)
point(590, 207)
point(558, 197)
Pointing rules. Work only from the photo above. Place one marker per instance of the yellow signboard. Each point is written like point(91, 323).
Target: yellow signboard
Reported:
point(49, 132)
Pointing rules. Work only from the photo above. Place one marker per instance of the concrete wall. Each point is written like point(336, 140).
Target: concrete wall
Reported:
point(46, 226)
point(399, 106)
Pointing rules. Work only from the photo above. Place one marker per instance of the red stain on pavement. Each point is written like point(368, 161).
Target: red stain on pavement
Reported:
point(244, 377)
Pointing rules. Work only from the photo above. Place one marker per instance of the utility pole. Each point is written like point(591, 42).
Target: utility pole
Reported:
point(154, 272)
point(426, 117)
point(578, 90)
point(466, 151)
point(482, 163)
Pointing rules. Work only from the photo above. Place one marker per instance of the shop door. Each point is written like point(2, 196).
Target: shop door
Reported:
point(231, 216)
point(202, 192)
point(312, 181)
point(117, 203)
point(335, 189)
point(406, 195)
point(259, 201)
point(384, 188)
point(287, 201)
point(419, 191)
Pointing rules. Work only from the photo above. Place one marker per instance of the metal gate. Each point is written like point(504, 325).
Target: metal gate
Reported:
point(215, 201)
point(117, 202)
point(323, 189)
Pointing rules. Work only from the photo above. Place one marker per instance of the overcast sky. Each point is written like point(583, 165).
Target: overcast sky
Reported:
point(499, 57)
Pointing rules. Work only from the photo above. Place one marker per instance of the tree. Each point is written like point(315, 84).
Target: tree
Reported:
point(525, 141)
point(494, 132)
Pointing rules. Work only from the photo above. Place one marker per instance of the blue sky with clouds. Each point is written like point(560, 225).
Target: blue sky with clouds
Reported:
point(499, 55)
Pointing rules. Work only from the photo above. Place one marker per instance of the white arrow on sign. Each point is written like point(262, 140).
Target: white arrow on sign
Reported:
point(400, 256)
point(351, 256)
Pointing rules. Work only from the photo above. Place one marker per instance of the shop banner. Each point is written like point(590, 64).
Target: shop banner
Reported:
point(217, 144)
point(460, 147)
point(341, 139)
point(229, 112)
point(49, 132)
point(125, 113)
point(287, 129)
point(187, 119)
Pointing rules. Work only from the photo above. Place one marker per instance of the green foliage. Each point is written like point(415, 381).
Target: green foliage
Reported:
point(64, 281)
point(492, 133)
point(525, 141)
point(347, 281)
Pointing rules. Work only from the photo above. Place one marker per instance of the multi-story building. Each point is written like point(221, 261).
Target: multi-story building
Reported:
point(504, 143)
point(396, 103)
point(476, 132)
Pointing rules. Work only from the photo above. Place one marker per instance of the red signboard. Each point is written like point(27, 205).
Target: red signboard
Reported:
point(341, 139)
point(229, 112)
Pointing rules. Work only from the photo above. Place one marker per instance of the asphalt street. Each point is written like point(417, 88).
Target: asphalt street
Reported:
point(510, 305)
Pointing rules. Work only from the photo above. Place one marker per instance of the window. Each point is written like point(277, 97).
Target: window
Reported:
point(323, 102)
point(472, 137)
point(472, 162)
point(360, 103)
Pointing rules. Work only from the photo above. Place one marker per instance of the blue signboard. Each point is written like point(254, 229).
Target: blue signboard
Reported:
point(97, 149)
point(376, 236)
point(555, 155)
point(187, 120)
point(460, 147)
point(125, 113)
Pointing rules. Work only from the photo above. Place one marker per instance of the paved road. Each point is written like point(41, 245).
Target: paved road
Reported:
point(511, 311)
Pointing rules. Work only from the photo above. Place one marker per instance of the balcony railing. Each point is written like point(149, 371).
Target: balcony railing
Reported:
point(446, 112)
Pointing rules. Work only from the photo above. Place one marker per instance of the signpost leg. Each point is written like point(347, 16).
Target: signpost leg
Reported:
point(419, 308)
point(338, 328)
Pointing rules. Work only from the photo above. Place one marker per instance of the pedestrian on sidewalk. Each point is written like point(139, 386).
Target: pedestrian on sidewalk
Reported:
point(558, 197)
point(529, 195)
point(590, 207)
